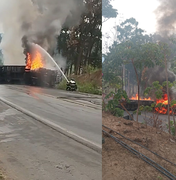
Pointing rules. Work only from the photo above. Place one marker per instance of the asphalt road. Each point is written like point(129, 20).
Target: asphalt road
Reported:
point(30, 150)
point(76, 112)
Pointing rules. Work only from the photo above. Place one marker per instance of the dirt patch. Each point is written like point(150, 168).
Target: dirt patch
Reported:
point(95, 77)
point(119, 163)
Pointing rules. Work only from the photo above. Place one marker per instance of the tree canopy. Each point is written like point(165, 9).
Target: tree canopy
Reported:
point(133, 45)
point(107, 10)
point(81, 45)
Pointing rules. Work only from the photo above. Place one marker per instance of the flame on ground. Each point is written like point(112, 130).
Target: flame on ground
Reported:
point(164, 101)
point(34, 62)
point(136, 98)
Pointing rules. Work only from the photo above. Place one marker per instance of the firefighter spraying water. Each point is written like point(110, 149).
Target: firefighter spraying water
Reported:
point(36, 61)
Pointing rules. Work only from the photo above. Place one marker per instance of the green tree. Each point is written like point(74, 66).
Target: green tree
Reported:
point(157, 90)
point(133, 47)
point(114, 104)
point(108, 11)
point(81, 45)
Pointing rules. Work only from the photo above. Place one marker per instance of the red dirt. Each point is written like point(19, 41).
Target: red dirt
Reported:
point(120, 164)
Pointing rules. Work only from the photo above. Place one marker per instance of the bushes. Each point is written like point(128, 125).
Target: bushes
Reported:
point(89, 87)
point(114, 104)
point(62, 85)
point(172, 127)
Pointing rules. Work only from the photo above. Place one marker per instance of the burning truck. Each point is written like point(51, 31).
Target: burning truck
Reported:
point(22, 75)
point(33, 73)
point(35, 63)
point(156, 75)
point(133, 105)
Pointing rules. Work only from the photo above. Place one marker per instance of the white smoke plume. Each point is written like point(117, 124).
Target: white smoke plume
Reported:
point(61, 61)
point(39, 20)
point(12, 15)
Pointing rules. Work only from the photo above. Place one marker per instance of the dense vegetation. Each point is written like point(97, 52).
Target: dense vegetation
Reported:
point(130, 57)
point(81, 45)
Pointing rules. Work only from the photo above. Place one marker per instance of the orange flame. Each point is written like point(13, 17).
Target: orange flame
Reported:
point(35, 62)
point(28, 64)
point(136, 98)
point(164, 101)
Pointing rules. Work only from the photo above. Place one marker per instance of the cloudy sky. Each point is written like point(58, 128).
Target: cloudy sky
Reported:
point(142, 11)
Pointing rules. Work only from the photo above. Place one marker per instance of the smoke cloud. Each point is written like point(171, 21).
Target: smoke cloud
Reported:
point(166, 13)
point(39, 21)
point(61, 61)
point(166, 26)
point(158, 74)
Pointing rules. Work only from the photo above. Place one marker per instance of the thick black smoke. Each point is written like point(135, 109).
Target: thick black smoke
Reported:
point(26, 46)
point(166, 26)
point(158, 74)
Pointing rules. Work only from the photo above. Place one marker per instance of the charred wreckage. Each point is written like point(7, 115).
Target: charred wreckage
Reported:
point(41, 77)
point(22, 75)
point(33, 73)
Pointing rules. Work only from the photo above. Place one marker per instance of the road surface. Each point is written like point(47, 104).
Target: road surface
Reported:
point(30, 150)
point(76, 112)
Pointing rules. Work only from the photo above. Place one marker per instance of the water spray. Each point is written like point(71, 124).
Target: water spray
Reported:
point(52, 61)
point(71, 85)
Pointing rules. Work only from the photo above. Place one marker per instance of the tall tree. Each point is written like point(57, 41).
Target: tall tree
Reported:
point(132, 46)
point(81, 45)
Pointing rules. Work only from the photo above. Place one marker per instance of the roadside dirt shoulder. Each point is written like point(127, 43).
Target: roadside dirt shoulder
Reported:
point(119, 163)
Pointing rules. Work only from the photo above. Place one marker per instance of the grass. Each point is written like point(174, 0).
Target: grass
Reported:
point(89, 87)
point(159, 177)
point(89, 82)
point(62, 85)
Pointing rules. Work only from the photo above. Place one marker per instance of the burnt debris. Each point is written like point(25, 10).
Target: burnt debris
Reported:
point(18, 75)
